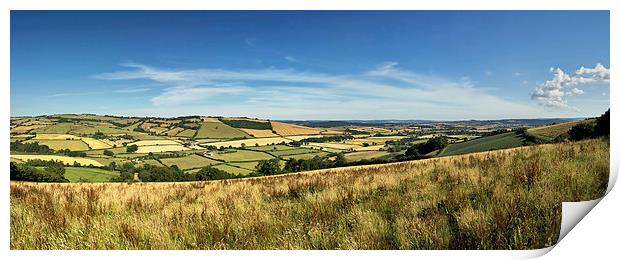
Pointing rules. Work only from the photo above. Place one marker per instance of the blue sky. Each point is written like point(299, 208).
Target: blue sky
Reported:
point(442, 65)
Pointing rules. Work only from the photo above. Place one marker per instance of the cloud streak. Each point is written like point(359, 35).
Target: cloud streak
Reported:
point(551, 93)
point(385, 91)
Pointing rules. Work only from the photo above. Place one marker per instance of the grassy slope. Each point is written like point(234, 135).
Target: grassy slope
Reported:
point(508, 199)
point(495, 142)
point(219, 130)
point(553, 131)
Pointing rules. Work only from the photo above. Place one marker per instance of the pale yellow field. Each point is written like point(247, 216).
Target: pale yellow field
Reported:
point(301, 137)
point(96, 144)
point(23, 129)
point(370, 148)
point(290, 129)
point(335, 146)
point(372, 129)
point(56, 137)
point(258, 133)
point(64, 159)
point(154, 143)
point(252, 142)
point(161, 148)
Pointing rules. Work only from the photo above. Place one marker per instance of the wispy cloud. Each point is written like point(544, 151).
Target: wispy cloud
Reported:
point(71, 94)
point(385, 91)
point(132, 90)
point(551, 93)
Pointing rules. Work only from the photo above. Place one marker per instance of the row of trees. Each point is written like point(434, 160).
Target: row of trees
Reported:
point(599, 128)
point(43, 171)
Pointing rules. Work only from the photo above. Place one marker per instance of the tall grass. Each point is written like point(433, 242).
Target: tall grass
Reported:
point(508, 199)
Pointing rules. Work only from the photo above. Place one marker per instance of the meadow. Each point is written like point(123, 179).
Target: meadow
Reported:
point(508, 199)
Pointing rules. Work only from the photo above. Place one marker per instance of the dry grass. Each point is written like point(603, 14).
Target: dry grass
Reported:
point(557, 129)
point(285, 129)
point(495, 200)
point(258, 133)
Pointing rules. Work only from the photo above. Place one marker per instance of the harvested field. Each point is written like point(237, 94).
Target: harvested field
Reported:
point(154, 143)
point(286, 129)
point(63, 159)
point(73, 145)
point(258, 133)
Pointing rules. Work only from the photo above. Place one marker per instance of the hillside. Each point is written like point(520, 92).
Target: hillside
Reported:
point(553, 131)
point(494, 142)
point(492, 200)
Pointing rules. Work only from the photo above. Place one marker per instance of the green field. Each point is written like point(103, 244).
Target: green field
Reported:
point(58, 128)
point(270, 148)
point(219, 130)
point(82, 174)
point(189, 162)
point(242, 155)
point(245, 165)
point(292, 151)
point(232, 169)
point(305, 156)
point(495, 142)
point(187, 133)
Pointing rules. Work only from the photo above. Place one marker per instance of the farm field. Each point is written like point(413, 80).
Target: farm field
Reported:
point(495, 142)
point(73, 145)
point(251, 142)
point(232, 169)
point(63, 159)
point(391, 206)
point(356, 156)
point(160, 148)
point(241, 155)
point(219, 131)
point(286, 129)
point(189, 162)
point(81, 174)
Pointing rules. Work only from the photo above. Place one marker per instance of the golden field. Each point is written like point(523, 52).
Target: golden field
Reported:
point(508, 199)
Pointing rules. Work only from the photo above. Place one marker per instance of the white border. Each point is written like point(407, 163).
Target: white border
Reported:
point(584, 240)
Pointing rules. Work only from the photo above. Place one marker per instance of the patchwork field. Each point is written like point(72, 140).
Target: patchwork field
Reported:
point(241, 155)
point(189, 162)
point(513, 202)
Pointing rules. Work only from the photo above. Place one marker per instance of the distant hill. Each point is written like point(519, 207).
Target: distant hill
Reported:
point(554, 130)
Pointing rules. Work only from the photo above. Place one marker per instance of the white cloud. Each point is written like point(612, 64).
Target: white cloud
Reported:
point(386, 92)
point(517, 74)
point(551, 92)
